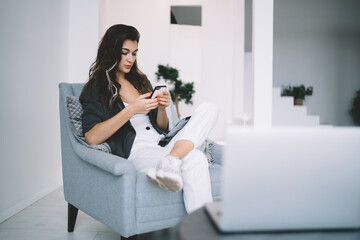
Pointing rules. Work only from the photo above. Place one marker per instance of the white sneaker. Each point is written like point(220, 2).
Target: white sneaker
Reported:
point(169, 174)
point(151, 174)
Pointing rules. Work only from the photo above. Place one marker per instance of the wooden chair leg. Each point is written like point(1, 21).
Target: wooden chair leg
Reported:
point(72, 214)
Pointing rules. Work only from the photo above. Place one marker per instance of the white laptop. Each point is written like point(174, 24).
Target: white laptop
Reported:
point(285, 179)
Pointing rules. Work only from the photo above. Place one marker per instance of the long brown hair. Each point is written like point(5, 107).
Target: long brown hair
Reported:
point(102, 73)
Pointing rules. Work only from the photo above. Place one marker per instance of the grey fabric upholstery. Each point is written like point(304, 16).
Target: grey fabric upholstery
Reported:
point(108, 188)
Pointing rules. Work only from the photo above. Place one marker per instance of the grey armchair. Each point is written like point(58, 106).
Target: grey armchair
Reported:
point(108, 188)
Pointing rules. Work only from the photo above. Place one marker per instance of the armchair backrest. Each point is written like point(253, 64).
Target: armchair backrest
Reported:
point(68, 140)
point(67, 89)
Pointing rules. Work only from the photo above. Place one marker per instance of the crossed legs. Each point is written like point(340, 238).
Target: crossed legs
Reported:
point(185, 167)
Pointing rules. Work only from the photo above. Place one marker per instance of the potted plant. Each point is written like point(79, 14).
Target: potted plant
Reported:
point(181, 91)
point(298, 92)
point(355, 109)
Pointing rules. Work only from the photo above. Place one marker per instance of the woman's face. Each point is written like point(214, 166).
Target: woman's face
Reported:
point(128, 51)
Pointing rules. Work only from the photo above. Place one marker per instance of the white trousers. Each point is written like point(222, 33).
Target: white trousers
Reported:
point(147, 153)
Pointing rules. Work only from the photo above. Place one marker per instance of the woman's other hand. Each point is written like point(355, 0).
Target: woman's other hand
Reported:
point(143, 104)
point(163, 99)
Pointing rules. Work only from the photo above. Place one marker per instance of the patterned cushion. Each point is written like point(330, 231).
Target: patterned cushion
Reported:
point(75, 112)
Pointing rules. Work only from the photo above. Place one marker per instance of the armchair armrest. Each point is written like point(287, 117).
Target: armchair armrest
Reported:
point(108, 162)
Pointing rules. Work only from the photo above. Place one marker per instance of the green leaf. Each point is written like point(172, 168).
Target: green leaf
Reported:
point(167, 73)
point(297, 91)
point(171, 75)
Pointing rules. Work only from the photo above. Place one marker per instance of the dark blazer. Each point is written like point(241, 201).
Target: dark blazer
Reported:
point(96, 111)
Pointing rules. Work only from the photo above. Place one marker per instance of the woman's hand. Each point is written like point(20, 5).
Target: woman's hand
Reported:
point(103, 130)
point(163, 99)
point(142, 105)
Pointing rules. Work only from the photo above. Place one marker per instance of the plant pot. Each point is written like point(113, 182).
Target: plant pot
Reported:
point(298, 101)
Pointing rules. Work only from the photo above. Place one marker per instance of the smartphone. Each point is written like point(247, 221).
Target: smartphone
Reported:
point(158, 90)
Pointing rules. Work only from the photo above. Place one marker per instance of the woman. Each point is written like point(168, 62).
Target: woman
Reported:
point(118, 110)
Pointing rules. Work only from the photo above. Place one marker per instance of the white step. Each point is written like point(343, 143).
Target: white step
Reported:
point(285, 113)
point(283, 102)
point(313, 120)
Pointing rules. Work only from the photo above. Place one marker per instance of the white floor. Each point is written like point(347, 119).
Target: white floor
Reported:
point(47, 220)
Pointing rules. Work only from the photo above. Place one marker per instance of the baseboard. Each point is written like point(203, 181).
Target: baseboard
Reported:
point(4, 215)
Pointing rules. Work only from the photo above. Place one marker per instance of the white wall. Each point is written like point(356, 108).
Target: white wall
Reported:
point(33, 60)
point(83, 37)
point(219, 70)
point(203, 54)
point(186, 56)
point(151, 19)
point(317, 43)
